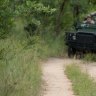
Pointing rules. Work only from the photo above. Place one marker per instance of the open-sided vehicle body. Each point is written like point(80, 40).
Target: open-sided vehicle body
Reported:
point(82, 40)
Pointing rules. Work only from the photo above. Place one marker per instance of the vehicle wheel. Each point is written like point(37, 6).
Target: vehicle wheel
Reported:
point(79, 55)
point(71, 52)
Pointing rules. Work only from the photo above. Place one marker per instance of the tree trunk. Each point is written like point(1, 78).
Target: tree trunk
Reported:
point(59, 17)
point(76, 13)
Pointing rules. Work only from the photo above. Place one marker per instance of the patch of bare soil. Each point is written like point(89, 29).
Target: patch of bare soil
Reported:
point(90, 68)
point(56, 81)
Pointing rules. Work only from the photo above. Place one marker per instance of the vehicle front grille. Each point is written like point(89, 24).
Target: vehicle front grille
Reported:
point(85, 38)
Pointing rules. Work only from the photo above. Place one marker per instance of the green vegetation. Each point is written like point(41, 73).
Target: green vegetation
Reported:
point(83, 85)
point(90, 57)
point(20, 72)
point(21, 50)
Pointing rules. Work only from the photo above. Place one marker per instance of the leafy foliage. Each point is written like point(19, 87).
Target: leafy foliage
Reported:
point(6, 18)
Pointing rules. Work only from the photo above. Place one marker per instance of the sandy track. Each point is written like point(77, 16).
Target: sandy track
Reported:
point(56, 81)
point(90, 68)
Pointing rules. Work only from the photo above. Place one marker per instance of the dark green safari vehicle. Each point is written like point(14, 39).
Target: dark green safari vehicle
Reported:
point(83, 39)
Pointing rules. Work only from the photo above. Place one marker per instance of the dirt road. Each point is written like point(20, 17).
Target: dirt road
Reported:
point(56, 81)
point(89, 68)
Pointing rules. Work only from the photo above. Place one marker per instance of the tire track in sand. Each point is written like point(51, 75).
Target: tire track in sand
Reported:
point(56, 81)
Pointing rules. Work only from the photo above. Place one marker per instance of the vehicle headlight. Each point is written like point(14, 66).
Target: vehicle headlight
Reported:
point(74, 37)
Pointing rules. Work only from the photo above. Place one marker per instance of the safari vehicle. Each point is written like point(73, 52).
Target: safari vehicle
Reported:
point(82, 40)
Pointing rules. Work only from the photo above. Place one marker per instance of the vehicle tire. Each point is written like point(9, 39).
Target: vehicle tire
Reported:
point(71, 52)
point(79, 55)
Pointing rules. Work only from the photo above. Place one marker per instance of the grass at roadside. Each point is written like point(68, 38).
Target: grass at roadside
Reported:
point(83, 85)
point(90, 57)
point(20, 71)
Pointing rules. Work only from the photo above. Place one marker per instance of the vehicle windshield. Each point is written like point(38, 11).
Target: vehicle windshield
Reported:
point(86, 27)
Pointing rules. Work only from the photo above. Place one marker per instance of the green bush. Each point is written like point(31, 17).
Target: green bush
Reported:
point(20, 72)
point(56, 45)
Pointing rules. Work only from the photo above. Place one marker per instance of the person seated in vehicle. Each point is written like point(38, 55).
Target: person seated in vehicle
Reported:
point(89, 20)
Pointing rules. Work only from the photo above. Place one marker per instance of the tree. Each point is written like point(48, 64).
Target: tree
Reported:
point(60, 15)
point(34, 12)
point(77, 8)
point(6, 18)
